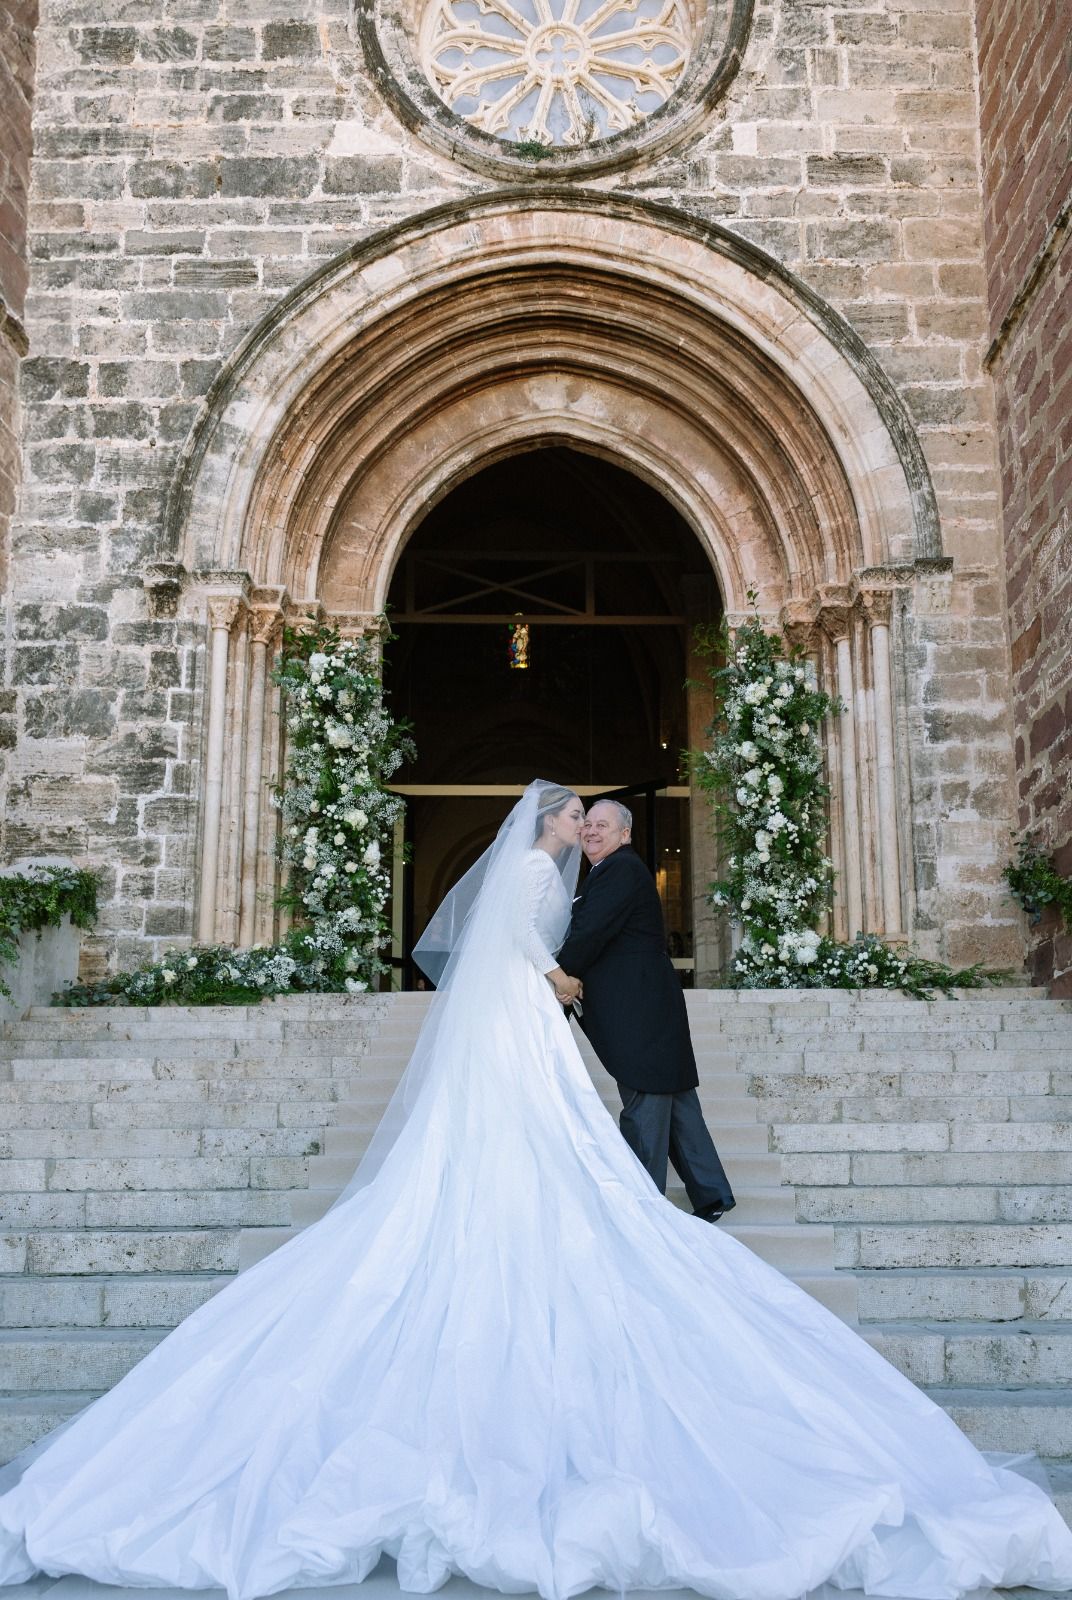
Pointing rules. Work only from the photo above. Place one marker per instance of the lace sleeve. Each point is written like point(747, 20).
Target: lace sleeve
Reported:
point(537, 883)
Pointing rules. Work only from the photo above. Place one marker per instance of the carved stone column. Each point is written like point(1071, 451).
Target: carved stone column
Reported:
point(223, 612)
point(710, 948)
point(865, 773)
point(800, 624)
point(836, 620)
point(265, 622)
point(877, 607)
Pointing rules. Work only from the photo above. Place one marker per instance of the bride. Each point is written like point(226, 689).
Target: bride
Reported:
point(502, 1353)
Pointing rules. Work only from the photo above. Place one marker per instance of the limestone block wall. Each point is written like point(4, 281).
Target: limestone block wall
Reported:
point(196, 163)
point(17, 20)
point(1026, 125)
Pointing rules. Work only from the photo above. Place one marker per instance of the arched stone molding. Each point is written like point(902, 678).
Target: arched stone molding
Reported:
point(617, 327)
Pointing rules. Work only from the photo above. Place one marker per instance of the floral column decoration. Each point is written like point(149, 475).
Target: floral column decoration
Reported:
point(763, 771)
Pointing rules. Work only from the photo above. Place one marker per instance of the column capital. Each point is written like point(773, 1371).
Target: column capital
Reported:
point(799, 620)
point(163, 582)
point(835, 611)
point(265, 623)
point(359, 624)
point(875, 605)
point(304, 613)
point(224, 610)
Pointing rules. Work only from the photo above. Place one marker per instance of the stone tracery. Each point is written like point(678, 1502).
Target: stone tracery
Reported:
point(558, 72)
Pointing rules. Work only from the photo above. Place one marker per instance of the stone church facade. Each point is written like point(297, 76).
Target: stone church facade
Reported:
point(267, 298)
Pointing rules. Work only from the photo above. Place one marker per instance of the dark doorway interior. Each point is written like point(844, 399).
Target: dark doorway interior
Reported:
point(604, 575)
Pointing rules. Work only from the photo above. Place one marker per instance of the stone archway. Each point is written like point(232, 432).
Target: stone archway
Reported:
point(620, 328)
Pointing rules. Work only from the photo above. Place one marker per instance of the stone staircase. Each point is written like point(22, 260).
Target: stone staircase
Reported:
point(908, 1164)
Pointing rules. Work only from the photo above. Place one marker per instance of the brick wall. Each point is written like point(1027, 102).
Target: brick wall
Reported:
point(17, 21)
point(194, 162)
point(1025, 73)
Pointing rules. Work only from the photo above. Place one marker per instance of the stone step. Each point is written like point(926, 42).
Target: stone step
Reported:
point(1016, 1355)
point(42, 1252)
point(37, 1145)
point(787, 1246)
point(335, 1171)
point(966, 1294)
point(995, 1244)
point(158, 1300)
point(960, 1358)
point(152, 1208)
point(757, 1204)
point(86, 1359)
point(1060, 1476)
point(25, 1418)
point(732, 1138)
point(1037, 1421)
point(936, 1203)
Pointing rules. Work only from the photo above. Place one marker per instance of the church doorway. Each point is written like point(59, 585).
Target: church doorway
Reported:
point(542, 613)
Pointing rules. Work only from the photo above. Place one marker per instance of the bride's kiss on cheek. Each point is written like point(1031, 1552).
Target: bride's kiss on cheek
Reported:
point(504, 1354)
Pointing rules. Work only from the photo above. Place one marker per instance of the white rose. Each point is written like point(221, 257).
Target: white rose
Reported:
point(351, 866)
point(371, 857)
point(775, 784)
point(747, 751)
point(191, 963)
point(167, 975)
point(753, 776)
point(762, 840)
point(308, 862)
point(763, 855)
point(354, 818)
point(340, 838)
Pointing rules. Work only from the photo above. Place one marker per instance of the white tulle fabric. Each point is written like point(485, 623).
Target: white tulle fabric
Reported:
point(508, 1357)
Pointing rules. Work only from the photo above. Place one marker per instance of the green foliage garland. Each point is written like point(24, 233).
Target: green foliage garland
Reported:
point(763, 772)
point(343, 747)
point(40, 898)
point(1035, 882)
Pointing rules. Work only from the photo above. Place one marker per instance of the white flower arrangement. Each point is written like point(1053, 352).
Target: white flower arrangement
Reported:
point(764, 773)
point(338, 826)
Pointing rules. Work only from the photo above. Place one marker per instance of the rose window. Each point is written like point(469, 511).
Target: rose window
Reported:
point(555, 72)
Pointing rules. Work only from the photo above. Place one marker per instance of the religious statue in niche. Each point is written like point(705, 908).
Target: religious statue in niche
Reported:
point(555, 72)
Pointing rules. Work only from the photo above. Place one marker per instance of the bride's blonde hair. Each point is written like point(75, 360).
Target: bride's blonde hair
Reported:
point(551, 803)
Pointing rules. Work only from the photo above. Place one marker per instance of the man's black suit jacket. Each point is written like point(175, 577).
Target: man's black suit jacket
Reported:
point(633, 1010)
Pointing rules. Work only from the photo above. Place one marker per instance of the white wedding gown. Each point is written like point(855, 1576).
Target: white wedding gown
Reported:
point(509, 1357)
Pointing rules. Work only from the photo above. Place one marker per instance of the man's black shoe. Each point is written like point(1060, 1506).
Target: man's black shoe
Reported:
point(713, 1213)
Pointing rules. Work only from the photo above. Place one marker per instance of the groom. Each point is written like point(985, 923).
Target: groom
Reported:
point(634, 1012)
